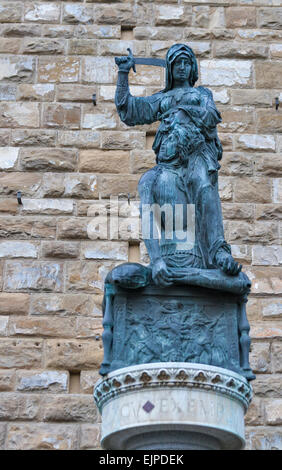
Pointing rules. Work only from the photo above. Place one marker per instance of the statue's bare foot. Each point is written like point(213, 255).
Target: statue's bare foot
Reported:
point(227, 263)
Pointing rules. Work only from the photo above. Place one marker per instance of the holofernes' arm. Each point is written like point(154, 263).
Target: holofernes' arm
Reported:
point(134, 110)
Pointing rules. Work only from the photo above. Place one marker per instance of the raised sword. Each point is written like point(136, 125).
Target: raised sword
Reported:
point(142, 60)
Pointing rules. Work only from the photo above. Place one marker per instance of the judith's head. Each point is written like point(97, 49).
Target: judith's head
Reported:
point(180, 64)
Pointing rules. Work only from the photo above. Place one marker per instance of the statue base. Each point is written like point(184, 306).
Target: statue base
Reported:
point(172, 406)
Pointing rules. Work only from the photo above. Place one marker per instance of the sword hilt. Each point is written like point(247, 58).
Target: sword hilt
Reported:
point(119, 60)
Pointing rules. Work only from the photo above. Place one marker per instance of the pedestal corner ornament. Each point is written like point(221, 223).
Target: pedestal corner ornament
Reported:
point(176, 339)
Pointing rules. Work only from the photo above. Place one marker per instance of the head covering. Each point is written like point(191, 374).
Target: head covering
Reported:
point(173, 52)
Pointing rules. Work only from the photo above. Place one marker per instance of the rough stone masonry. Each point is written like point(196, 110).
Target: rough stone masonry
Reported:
point(68, 158)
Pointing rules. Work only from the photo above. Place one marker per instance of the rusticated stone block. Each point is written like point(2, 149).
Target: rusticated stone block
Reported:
point(8, 206)
point(42, 436)
point(123, 140)
point(118, 186)
point(10, 45)
point(19, 115)
point(79, 139)
point(74, 408)
point(15, 406)
point(75, 13)
point(17, 68)
point(268, 212)
point(114, 47)
point(45, 381)
point(263, 438)
point(37, 92)
point(270, 18)
point(236, 49)
point(98, 70)
point(107, 92)
point(149, 76)
point(37, 276)
point(226, 72)
point(262, 98)
point(78, 93)
point(88, 379)
point(158, 33)
point(89, 328)
point(72, 228)
point(240, 17)
point(271, 308)
point(28, 182)
point(276, 51)
point(101, 161)
point(18, 249)
point(267, 385)
point(20, 353)
point(66, 305)
point(87, 276)
point(42, 12)
point(47, 206)
point(265, 280)
point(237, 211)
point(234, 164)
point(61, 69)
point(263, 330)
point(46, 327)
point(267, 121)
point(73, 355)
point(276, 357)
point(249, 233)
point(13, 303)
point(259, 143)
point(60, 249)
point(44, 228)
point(62, 116)
point(81, 46)
point(42, 46)
point(267, 255)
point(21, 30)
point(239, 120)
point(90, 436)
point(173, 15)
point(105, 250)
point(122, 13)
point(252, 190)
point(255, 413)
point(266, 73)
point(14, 227)
point(11, 12)
point(101, 119)
point(52, 159)
point(32, 137)
point(273, 412)
point(8, 158)
point(7, 380)
point(260, 358)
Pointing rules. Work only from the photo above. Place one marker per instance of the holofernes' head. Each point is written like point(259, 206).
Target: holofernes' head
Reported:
point(181, 51)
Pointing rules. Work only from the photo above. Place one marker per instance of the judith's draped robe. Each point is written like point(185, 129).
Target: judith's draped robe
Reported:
point(197, 179)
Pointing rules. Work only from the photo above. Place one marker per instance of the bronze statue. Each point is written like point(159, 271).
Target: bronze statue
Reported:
point(205, 321)
point(187, 151)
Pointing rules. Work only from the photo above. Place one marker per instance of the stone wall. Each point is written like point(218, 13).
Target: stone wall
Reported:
point(67, 156)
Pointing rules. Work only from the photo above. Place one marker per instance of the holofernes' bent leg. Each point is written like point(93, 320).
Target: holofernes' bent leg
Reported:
point(203, 187)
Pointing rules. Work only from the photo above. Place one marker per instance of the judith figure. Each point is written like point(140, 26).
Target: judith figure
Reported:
point(187, 152)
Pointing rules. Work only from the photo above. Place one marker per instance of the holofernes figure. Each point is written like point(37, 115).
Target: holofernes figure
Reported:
point(187, 151)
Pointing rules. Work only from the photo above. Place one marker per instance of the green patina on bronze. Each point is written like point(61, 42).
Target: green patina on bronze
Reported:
point(188, 152)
